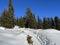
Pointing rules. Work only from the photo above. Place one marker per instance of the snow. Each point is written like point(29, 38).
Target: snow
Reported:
point(18, 36)
point(2, 28)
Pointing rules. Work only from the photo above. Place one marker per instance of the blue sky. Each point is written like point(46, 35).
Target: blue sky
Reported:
point(42, 8)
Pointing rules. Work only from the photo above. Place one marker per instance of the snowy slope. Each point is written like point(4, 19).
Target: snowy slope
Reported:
point(52, 34)
point(18, 36)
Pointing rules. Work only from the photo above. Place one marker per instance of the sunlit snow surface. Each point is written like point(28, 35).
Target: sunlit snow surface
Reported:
point(18, 36)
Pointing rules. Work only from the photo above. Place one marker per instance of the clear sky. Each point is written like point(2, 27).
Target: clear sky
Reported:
point(43, 8)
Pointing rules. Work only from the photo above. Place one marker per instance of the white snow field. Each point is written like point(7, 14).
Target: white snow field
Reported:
point(18, 36)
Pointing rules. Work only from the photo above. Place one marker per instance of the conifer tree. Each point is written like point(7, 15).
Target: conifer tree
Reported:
point(16, 21)
point(57, 23)
point(24, 19)
point(30, 19)
point(11, 11)
point(45, 23)
point(0, 20)
point(8, 19)
point(39, 24)
point(51, 22)
point(21, 22)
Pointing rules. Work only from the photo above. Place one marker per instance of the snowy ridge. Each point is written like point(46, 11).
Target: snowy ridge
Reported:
point(18, 36)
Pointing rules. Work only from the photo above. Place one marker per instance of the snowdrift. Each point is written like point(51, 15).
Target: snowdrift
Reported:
point(18, 36)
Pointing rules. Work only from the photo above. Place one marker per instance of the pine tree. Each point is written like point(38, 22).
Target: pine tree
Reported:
point(16, 21)
point(11, 11)
point(8, 19)
point(39, 24)
point(51, 22)
point(57, 23)
point(30, 19)
point(45, 23)
point(24, 19)
point(21, 22)
point(0, 20)
point(35, 23)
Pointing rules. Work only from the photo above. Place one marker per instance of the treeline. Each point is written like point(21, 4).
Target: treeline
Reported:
point(8, 20)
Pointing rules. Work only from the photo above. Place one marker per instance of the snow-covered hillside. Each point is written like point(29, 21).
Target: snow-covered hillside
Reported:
point(18, 36)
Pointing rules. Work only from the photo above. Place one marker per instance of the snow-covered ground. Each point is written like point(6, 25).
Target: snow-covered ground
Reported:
point(18, 36)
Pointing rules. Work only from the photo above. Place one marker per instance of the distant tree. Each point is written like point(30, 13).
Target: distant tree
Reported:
point(39, 24)
point(51, 23)
point(30, 19)
point(24, 19)
point(16, 21)
point(21, 22)
point(35, 23)
point(57, 23)
point(45, 23)
point(0, 20)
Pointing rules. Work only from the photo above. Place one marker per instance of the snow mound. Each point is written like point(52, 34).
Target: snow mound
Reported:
point(18, 36)
point(2, 28)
